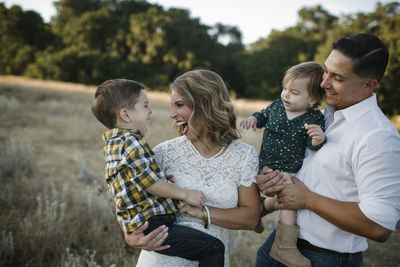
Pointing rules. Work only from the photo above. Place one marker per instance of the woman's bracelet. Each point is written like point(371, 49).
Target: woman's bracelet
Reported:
point(206, 216)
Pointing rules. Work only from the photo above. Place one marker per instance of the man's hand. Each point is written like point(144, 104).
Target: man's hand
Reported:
point(294, 196)
point(268, 178)
point(151, 241)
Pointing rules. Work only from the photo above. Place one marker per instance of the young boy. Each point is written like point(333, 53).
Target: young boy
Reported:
point(140, 190)
point(291, 124)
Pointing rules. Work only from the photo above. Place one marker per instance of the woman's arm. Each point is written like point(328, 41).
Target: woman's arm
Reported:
point(245, 216)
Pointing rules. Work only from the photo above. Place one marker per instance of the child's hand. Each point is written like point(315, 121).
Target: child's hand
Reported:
point(170, 178)
point(248, 123)
point(195, 212)
point(195, 198)
point(287, 177)
point(316, 133)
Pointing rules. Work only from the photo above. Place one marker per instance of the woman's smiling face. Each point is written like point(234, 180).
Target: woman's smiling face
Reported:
point(181, 112)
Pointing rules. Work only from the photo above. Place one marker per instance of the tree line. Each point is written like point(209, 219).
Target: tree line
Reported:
point(91, 41)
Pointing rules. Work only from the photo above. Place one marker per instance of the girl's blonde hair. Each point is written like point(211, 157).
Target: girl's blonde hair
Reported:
point(205, 93)
point(309, 69)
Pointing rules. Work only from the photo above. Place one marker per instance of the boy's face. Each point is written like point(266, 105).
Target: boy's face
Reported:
point(140, 114)
point(295, 96)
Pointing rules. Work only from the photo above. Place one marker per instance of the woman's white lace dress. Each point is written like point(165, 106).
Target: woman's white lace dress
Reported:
point(218, 178)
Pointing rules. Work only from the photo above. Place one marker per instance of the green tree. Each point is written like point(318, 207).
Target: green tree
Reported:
point(268, 59)
point(22, 34)
point(383, 22)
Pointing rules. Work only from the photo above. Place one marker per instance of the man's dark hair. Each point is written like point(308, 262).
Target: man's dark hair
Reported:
point(369, 54)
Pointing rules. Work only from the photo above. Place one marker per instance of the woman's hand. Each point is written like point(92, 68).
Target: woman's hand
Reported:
point(268, 178)
point(151, 242)
point(194, 212)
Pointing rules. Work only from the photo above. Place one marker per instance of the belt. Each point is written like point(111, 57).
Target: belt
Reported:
point(301, 243)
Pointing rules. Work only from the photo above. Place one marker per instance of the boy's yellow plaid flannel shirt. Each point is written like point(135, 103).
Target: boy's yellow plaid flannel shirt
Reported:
point(131, 168)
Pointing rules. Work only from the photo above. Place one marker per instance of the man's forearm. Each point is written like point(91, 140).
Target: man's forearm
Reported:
point(346, 216)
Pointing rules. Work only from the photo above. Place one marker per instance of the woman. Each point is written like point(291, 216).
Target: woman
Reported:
point(207, 157)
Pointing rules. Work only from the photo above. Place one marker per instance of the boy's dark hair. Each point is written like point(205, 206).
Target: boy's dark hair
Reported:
point(113, 95)
point(369, 54)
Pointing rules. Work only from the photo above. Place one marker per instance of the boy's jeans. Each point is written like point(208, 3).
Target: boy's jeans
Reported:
point(189, 243)
point(318, 259)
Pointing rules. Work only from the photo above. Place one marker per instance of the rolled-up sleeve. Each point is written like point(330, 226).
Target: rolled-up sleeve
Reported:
point(377, 176)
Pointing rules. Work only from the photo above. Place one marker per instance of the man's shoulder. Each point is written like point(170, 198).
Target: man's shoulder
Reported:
point(375, 120)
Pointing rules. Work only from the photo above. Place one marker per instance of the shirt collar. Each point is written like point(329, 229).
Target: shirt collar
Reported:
point(354, 112)
point(118, 132)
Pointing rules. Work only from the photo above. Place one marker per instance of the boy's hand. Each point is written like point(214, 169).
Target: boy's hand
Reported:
point(195, 198)
point(316, 133)
point(194, 212)
point(170, 178)
point(250, 122)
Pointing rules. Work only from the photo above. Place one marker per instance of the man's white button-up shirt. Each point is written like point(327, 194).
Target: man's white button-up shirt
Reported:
point(359, 163)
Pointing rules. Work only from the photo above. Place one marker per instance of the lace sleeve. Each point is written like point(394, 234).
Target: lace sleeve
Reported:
point(249, 167)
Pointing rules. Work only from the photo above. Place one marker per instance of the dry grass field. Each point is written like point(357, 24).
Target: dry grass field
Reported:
point(54, 206)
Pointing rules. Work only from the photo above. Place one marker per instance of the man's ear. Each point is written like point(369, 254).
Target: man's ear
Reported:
point(124, 115)
point(371, 84)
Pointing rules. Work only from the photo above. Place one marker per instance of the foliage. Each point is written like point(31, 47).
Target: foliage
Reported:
point(22, 33)
point(384, 22)
point(94, 40)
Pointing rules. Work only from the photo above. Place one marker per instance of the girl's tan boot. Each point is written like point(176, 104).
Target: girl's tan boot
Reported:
point(284, 248)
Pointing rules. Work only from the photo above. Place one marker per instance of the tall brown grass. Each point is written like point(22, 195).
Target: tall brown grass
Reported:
point(54, 206)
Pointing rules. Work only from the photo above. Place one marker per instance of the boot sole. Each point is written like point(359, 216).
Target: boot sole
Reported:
point(277, 258)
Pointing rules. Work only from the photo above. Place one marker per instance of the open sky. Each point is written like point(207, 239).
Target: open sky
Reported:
point(254, 18)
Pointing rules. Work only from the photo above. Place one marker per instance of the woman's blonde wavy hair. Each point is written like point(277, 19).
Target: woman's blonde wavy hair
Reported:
point(205, 93)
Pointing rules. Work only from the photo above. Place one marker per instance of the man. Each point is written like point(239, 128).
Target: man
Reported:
point(350, 188)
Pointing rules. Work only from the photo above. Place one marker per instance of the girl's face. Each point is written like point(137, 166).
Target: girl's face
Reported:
point(295, 96)
point(181, 112)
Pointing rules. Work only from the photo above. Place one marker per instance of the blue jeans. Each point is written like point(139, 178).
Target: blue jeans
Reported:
point(318, 259)
point(189, 243)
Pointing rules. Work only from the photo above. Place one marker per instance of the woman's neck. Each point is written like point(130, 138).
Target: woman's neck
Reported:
point(206, 150)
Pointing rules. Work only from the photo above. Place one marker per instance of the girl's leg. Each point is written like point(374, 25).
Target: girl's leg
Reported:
point(288, 217)
point(284, 248)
